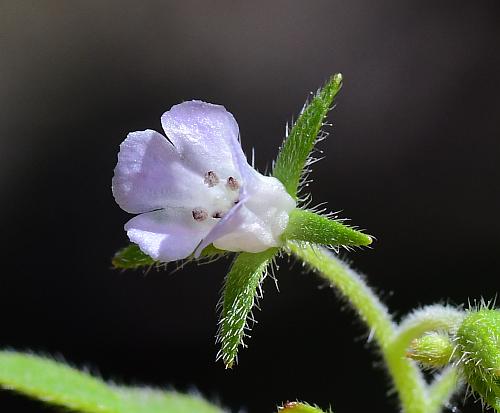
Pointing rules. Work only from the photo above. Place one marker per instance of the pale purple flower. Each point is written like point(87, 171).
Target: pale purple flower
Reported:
point(196, 188)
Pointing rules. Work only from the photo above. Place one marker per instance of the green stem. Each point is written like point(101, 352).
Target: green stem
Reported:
point(441, 390)
point(405, 373)
point(430, 318)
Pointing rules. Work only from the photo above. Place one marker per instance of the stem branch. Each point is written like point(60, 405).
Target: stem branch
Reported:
point(430, 318)
point(441, 390)
point(406, 376)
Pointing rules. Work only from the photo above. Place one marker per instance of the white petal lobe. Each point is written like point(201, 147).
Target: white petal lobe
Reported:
point(166, 237)
point(261, 220)
point(151, 175)
point(205, 135)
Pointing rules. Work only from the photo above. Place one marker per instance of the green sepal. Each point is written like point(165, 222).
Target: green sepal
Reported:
point(310, 227)
point(59, 384)
point(478, 352)
point(296, 149)
point(210, 252)
point(432, 350)
point(297, 407)
point(131, 257)
point(240, 290)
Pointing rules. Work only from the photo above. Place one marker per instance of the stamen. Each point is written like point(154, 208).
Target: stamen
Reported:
point(199, 214)
point(233, 184)
point(218, 214)
point(211, 179)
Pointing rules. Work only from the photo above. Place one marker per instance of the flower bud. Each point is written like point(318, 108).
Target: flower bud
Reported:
point(297, 407)
point(478, 349)
point(432, 350)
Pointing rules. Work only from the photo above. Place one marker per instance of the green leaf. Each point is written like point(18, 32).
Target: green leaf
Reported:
point(58, 384)
point(294, 154)
point(297, 407)
point(131, 257)
point(310, 227)
point(240, 289)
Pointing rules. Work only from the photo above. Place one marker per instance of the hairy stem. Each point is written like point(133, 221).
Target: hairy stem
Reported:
point(405, 373)
point(442, 389)
point(430, 318)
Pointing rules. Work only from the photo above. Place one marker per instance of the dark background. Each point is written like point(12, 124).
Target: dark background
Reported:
point(413, 158)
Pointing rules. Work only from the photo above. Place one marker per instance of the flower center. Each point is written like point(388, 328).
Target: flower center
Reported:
point(224, 194)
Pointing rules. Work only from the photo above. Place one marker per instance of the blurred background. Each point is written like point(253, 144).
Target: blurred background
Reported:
point(413, 157)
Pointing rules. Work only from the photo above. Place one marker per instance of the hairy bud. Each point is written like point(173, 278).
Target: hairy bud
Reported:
point(432, 350)
point(478, 346)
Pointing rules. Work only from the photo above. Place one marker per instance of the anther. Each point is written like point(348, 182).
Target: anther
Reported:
point(232, 183)
point(199, 214)
point(218, 214)
point(211, 179)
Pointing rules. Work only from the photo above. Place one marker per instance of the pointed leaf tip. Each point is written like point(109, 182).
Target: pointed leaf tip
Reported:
point(310, 227)
point(293, 158)
point(240, 290)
